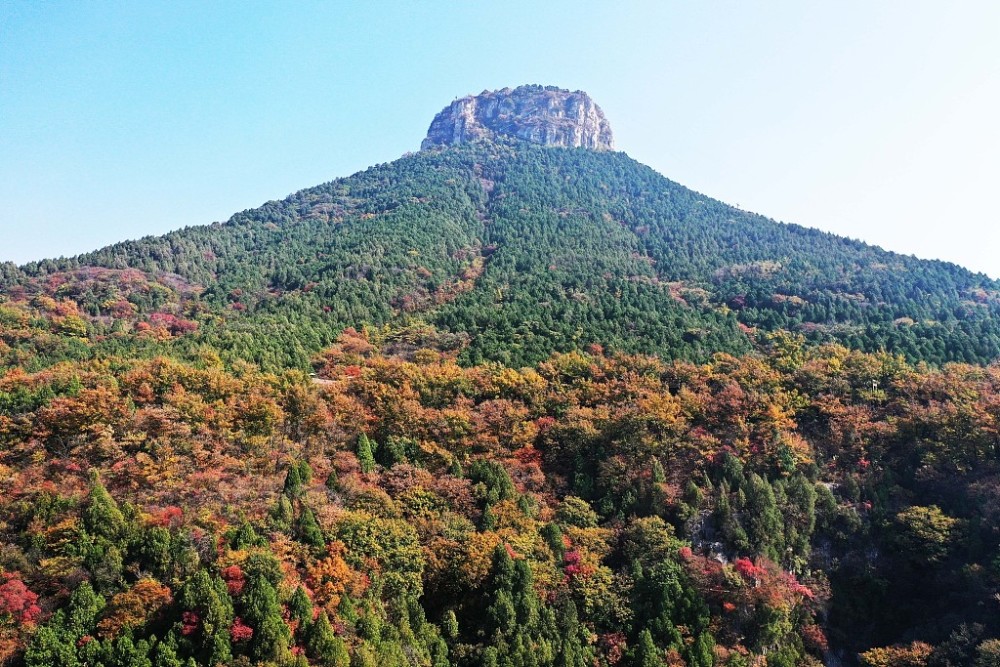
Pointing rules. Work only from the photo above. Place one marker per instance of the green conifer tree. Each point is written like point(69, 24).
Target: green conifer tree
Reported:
point(51, 645)
point(324, 646)
point(449, 625)
point(364, 656)
point(282, 514)
point(300, 608)
point(488, 521)
point(574, 647)
point(262, 612)
point(702, 652)
point(84, 607)
point(366, 453)
point(646, 654)
point(659, 476)
point(246, 537)
point(102, 517)
point(293, 482)
point(165, 653)
point(765, 526)
point(207, 596)
point(308, 529)
point(305, 473)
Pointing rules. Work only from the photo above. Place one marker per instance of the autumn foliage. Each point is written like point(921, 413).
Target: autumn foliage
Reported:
point(598, 508)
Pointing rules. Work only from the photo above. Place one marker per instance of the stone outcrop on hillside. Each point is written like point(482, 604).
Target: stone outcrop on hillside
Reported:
point(540, 114)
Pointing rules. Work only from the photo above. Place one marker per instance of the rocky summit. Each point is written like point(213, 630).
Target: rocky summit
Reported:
point(540, 114)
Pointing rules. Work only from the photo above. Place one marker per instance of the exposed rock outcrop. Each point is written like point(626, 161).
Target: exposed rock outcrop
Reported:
point(540, 114)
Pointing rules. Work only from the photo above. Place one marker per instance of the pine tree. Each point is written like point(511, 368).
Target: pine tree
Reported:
point(262, 612)
point(246, 536)
point(364, 656)
point(51, 646)
point(702, 652)
point(308, 529)
point(84, 607)
point(133, 654)
point(293, 482)
point(102, 516)
point(282, 514)
point(366, 453)
point(659, 476)
point(727, 522)
point(300, 608)
point(574, 648)
point(526, 601)
point(207, 596)
point(553, 536)
point(488, 521)
point(765, 526)
point(305, 473)
point(645, 653)
point(165, 653)
point(449, 625)
point(501, 618)
point(501, 570)
point(325, 647)
point(391, 452)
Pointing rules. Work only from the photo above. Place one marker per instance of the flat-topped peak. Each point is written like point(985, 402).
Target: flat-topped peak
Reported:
point(544, 115)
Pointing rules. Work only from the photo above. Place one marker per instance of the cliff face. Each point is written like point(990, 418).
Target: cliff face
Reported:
point(543, 115)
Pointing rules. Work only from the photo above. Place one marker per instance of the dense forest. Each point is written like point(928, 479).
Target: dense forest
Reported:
point(524, 251)
point(499, 405)
point(786, 507)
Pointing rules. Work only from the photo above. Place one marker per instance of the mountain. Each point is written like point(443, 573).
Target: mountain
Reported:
point(497, 234)
point(510, 401)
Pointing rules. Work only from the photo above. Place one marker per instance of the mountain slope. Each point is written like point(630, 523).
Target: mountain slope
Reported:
point(164, 503)
point(526, 250)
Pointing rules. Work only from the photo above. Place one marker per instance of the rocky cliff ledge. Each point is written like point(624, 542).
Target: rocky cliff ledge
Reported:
point(541, 114)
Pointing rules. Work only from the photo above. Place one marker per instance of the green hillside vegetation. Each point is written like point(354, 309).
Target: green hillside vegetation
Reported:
point(525, 251)
point(499, 405)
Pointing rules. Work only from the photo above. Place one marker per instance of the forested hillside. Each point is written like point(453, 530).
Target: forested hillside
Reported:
point(520, 249)
point(499, 405)
point(785, 508)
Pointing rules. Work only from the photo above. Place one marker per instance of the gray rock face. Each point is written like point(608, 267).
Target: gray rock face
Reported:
point(540, 114)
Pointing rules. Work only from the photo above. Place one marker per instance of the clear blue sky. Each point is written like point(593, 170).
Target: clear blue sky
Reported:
point(876, 120)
